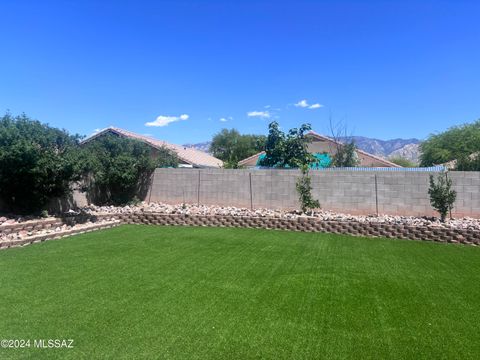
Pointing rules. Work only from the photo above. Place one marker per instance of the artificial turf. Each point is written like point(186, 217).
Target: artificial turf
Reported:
point(149, 292)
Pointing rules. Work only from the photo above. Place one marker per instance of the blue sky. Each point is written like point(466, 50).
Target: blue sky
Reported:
point(387, 68)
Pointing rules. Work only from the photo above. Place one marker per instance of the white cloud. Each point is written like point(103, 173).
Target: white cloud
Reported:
point(164, 120)
point(304, 104)
point(226, 118)
point(260, 114)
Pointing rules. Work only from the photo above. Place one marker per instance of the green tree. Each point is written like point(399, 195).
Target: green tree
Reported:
point(37, 163)
point(346, 155)
point(287, 150)
point(455, 143)
point(231, 147)
point(346, 150)
point(120, 168)
point(468, 163)
point(291, 151)
point(401, 161)
point(442, 196)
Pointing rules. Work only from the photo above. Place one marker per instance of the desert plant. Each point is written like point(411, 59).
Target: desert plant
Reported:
point(304, 189)
point(442, 196)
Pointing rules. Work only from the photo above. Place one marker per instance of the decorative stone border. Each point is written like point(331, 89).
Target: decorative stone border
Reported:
point(58, 235)
point(306, 224)
point(40, 224)
point(312, 225)
point(32, 225)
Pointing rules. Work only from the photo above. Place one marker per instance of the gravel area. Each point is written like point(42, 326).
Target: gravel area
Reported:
point(460, 223)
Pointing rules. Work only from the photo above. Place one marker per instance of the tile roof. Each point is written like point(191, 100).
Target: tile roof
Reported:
point(189, 155)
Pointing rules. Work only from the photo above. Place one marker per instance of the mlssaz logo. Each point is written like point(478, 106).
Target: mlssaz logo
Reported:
point(53, 343)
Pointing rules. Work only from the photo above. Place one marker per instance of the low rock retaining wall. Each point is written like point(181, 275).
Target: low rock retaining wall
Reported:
point(29, 232)
point(58, 235)
point(32, 225)
point(306, 224)
point(437, 234)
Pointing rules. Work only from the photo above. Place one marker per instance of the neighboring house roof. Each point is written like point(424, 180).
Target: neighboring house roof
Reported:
point(377, 158)
point(188, 155)
point(246, 160)
point(313, 134)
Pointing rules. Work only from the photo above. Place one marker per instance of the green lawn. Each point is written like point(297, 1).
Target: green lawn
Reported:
point(145, 292)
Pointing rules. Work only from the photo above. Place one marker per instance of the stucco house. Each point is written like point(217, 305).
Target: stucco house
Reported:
point(188, 157)
point(325, 148)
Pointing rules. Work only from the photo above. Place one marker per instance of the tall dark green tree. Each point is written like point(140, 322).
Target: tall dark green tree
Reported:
point(230, 146)
point(37, 163)
point(458, 142)
point(119, 168)
point(287, 150)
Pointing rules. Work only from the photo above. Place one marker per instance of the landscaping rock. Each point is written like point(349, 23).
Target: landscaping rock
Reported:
point(323, 215)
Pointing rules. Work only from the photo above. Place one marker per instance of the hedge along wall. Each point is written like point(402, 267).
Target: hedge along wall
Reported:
point(376, 192)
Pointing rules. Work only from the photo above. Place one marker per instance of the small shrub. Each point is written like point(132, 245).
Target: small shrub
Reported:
point(442, 196)
point(304, 189)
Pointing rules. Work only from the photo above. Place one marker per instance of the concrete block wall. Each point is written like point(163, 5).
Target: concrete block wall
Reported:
point(467, 185)
point(175, 186)
point(275, 189)
point(345, 191)
point(403, 193)
point(354, 192)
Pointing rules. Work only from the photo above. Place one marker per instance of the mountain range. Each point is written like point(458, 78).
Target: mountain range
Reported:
point(405, 148)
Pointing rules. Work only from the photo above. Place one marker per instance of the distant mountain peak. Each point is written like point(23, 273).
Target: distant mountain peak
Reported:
point(406, 148)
